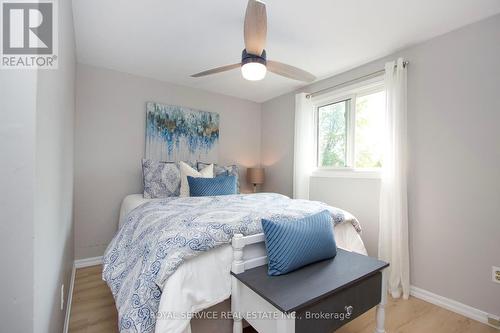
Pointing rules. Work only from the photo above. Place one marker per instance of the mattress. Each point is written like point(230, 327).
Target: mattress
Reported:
point(130, 202)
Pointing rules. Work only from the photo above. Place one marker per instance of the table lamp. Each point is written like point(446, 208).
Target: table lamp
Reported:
point(255, 176)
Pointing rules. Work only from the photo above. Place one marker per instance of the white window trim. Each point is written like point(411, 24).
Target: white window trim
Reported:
point(345, 93)
point(346, 173)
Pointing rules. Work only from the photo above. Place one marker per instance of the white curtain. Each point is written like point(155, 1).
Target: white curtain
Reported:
point(303, 159)
point(393, 224)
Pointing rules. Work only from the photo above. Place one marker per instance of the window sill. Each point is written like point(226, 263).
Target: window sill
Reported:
point(348, 173)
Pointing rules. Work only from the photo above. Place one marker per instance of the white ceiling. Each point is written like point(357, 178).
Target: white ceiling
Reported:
point(171, 39)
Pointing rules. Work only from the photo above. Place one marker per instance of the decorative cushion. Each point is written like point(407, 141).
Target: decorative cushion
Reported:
point(160, 179)
point(221, 170)
point(203, 187)
point(292, 244)
point(186, 170)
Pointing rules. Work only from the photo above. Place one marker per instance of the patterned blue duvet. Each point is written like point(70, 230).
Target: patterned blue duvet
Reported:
point(158, 236)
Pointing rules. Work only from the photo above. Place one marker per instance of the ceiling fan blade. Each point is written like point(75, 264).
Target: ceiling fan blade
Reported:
point(217, 70)
point(289, 71)
point(255, 29)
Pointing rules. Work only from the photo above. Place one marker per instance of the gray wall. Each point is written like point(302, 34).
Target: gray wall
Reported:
point(277, 143)
point(53, 230)
point(110, 142)
point(454, 146)
point(358, 196)
point(17, 169)
point(36, 233)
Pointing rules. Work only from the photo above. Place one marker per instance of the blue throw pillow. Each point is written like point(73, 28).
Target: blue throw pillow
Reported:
point(203, 187)
point(292, 244)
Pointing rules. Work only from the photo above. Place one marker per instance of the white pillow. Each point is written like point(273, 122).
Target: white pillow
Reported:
point(186, 170)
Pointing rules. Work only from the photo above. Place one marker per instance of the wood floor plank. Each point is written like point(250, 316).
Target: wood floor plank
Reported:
point(93, 311)
point(93, 308)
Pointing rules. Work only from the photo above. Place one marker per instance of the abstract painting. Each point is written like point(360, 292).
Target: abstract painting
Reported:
point(176, 133)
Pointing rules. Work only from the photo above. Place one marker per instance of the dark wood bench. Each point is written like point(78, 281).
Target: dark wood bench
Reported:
point(318, 298)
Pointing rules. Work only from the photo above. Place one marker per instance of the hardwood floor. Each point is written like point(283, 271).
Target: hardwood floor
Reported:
point(93, 311)
point(92, 306)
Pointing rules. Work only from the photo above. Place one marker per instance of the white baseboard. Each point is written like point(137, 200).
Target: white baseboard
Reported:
point(80, 263)
point(69, 299)
point(452, 305)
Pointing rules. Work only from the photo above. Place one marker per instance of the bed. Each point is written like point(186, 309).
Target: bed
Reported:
point(200, 285)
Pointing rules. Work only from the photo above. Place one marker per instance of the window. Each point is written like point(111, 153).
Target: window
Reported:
point(349, 129)
point(333, 122)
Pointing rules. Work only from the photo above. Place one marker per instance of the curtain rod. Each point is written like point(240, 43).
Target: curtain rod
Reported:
point(374, 74)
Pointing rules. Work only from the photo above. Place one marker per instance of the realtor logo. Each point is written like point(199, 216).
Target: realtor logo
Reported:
point(29, 34)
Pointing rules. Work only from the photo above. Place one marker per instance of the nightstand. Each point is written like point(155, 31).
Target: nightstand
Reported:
point(318, 298)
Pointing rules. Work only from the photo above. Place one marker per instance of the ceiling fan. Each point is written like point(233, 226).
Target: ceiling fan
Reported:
point(254, 63)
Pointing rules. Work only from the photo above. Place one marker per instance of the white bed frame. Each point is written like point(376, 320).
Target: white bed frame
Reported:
point(250, 252)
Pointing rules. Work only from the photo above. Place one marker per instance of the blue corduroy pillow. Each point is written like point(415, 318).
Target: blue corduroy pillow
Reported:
point(292, 244)
point(203, 187)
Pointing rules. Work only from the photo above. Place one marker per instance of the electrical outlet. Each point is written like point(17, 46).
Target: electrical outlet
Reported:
point(62, 297)
point(495, 275)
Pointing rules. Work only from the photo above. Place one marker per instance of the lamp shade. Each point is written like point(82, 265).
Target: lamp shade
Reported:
point(255, 175)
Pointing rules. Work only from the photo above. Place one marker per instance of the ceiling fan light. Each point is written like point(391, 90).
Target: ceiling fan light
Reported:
point(253, 71)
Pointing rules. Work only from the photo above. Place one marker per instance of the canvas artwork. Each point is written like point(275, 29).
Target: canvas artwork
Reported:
point(175, 133)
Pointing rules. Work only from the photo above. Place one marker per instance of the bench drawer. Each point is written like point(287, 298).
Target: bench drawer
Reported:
point(331, 312)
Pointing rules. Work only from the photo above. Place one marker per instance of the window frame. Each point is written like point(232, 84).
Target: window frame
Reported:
point(350, 92)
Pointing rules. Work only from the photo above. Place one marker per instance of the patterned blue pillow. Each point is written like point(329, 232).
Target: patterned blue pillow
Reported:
point(224, 170)
point(204, 187)
point(160, 179)
point(292, 244)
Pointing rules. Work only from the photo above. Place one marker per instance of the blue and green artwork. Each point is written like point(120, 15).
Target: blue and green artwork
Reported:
point(176, 133)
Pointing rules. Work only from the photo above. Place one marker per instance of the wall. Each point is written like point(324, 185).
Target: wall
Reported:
point(36, 144)
point(356, 195)
point(277, 143)
point(110, 143)
point(17, 169)
point(53, 227)
point(454, 146)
